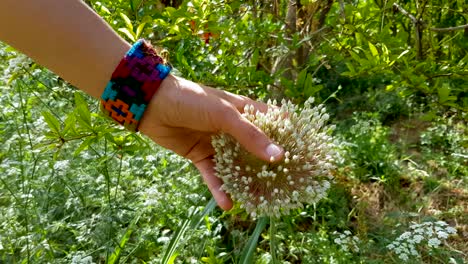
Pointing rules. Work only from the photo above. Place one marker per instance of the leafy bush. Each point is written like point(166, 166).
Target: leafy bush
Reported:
point(74, 188)
point(369, 151)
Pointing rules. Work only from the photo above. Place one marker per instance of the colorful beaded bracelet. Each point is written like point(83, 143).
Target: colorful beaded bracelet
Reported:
point(133, 84)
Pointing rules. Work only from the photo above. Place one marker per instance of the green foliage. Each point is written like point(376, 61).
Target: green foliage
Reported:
point(371, 155)
point(248, 252)
point(76, 189)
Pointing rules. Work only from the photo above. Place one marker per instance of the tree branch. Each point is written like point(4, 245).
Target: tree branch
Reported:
point(415, 20)
point(342, 10)
point(449, 28)
point(406, 13)
point(418, 29)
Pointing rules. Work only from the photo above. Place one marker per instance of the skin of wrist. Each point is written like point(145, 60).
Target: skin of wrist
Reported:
point(150, 121)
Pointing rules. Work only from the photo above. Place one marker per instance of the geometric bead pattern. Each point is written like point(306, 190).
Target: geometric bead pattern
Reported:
point(133, 84)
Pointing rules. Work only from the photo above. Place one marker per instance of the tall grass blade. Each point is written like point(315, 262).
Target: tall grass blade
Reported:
point(192, 222)
point(249, 249)
point(114, 258)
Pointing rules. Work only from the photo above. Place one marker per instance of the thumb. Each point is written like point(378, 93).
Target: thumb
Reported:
point(251, 137)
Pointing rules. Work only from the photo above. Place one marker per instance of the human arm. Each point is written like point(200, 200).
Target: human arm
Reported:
point(67, 37)
point(70, 39)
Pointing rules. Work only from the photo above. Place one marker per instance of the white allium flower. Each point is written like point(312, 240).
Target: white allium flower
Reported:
point(302, 177)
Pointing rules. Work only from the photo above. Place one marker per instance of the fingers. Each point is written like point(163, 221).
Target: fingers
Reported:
point(240, 101)
point(206, 168)
point(249, 136)
point(201, 149)
point(252, 138)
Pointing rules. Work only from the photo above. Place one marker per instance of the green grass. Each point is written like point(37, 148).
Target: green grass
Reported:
point(76, 189)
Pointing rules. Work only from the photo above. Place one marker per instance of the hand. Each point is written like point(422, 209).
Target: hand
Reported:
point(183, 116)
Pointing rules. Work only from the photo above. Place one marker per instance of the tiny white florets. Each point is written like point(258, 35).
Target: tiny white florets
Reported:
point(276, 187)
point(433, 233)
point(346, 241)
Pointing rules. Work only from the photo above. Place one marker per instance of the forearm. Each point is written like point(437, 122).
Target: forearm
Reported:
point(65, 36)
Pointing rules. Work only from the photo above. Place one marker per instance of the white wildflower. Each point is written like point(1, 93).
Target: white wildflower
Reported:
point(151, 158)
point(450, 230)
point(417, 238)
point(151, 196)
point(16, 65)
point(432, 233)
point(80, 257)
point(433, 242)
point(405, 236)
point(304, 171)
point(163, 239)
point(347, 241)
point(442, 234)
point(62, 165)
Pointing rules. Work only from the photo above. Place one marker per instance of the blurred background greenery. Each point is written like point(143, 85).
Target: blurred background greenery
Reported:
point(392, 74)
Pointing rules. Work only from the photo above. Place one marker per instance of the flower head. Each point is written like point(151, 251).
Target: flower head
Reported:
point(434, 233)
point(303, 176)
point(347, 241)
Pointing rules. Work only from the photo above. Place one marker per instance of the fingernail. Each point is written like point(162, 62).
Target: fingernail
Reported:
point(273, 151)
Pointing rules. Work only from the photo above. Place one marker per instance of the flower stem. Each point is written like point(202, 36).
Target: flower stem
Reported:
point(273, 244)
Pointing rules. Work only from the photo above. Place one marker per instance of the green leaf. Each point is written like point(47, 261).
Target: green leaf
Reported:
point(84, 145)
point(428, 117)
point(172, 259)
point(69, 124)
point(399, 56)
point(187, 67)
point(114, 258)
point(351, 68)
point(102, 9)
point(192, 222)
point(128, 22)
point(139, 30)
point(255, 58)
point(52, 122)
point(310, 88)
point(249, 249)
point(301, 79)
point(356, 57)
point(373, 50)
point(389, 88)
point(130, 35)
point(170, 10)
point(82, 111)
point(174, 29)
point(444, 93)
point(359, 38)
